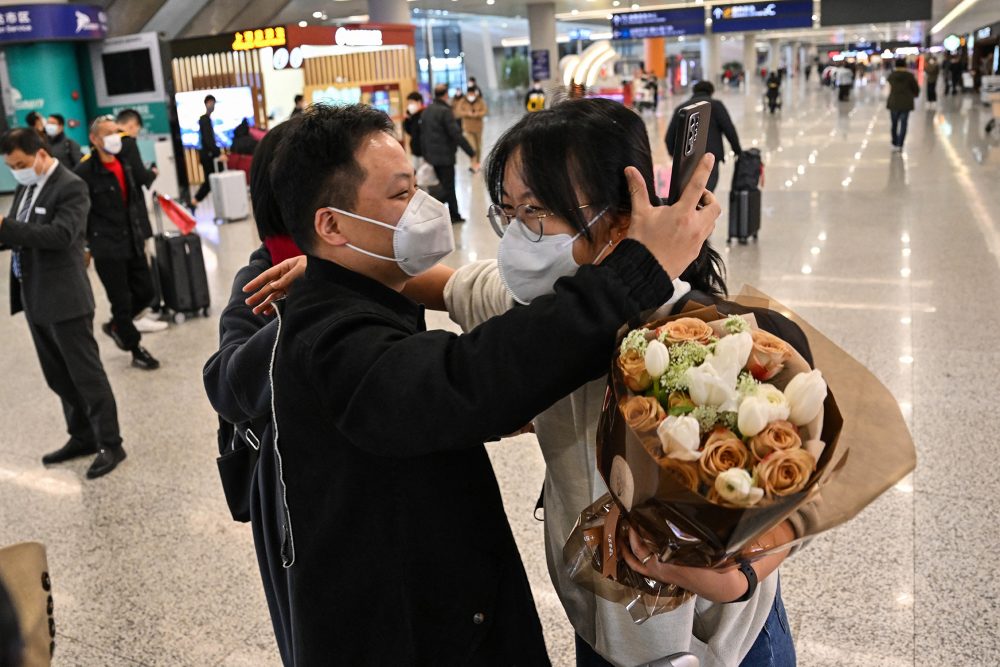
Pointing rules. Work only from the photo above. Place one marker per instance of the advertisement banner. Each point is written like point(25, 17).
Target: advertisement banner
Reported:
point(30, 23)
point(540, 70)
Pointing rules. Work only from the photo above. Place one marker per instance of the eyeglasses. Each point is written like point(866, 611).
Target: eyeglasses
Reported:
point(532, 219)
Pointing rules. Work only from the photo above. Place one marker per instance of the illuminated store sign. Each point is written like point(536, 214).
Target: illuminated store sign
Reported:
point(259, 38)
point(347, 37)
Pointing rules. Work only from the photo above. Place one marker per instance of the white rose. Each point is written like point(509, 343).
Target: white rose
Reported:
point(754, 414)
point(736, 486)
point(776, 401)
point(731, 355)
point(680, 437)
point(707, 387)
point(806, 393)
point(657, 358)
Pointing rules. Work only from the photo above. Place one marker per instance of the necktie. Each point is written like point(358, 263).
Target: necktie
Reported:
point(22, 217)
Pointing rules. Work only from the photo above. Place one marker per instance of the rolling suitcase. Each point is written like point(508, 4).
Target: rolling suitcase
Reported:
point(744, 215)
point(229, 195)
point(180, 269)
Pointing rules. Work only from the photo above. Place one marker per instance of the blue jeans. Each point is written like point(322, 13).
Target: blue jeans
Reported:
point(773, 647)
point(899, 121)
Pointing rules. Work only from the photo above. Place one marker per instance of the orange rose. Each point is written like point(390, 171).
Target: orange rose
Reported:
point(680, 400)
point(633, 366)
point(722, 451)
point(681, 472)
point(642, 413)
point(776, 437)
point(785, 472)
point(768, 356)
point(686, 329)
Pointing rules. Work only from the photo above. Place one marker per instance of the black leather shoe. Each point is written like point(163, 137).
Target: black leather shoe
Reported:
point(106, 461)
point(110, 330)
point(458, 220)
point(141, 358)
point(73, 449)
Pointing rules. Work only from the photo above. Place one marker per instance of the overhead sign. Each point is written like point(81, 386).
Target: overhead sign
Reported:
point(754, 16)
point(984, 33)
point(348, 37)
point(29, 23)
point(662, 23)
point(540, 69)
point(246, 40)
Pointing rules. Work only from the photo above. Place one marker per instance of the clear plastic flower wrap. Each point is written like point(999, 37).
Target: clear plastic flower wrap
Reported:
point(715, 431)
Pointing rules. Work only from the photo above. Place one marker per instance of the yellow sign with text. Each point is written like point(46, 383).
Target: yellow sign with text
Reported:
point(246, 40)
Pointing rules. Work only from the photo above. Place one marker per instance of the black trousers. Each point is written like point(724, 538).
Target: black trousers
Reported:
point(446, 174)
point(208, 166)
point(129, 284)
point(932, 91)
point(845, 93)
point(71, 364)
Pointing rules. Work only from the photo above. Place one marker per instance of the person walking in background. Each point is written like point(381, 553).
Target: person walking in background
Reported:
point(300, 106)
point(208, 153)
point(62, 147)
point(411, 124)
point(471, 108)
point(720, 125)
point(45, 229)
point(903, 90)
point(115, 234)
point(955, 69)
point(931, 70)
point(845, 81)
point(440, 138)
point(535, 99)
point(773, 91)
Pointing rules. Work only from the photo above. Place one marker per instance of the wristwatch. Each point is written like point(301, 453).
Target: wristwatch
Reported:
point(747, 569)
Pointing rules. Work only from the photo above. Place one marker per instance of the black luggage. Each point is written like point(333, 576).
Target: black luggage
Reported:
point(744, 215)
point(748, 171)
point(179, 272)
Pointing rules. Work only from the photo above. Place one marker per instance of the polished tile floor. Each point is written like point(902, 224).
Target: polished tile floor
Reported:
point(894, 257)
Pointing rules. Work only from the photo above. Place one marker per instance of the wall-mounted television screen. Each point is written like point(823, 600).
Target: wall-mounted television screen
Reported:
point(128, 72)
point(232, 105)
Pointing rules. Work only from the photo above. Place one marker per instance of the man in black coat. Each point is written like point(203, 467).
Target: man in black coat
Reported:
point(374, 502)
point(117, 228)
point(62, 147)
point(209, 151)
point(45, 230)
point(440, 137)
point(720, 125)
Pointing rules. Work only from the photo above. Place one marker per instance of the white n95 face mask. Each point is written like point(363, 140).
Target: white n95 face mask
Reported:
point(529, 269)
point(422, 237)
point(113, 143)
point(51, 129)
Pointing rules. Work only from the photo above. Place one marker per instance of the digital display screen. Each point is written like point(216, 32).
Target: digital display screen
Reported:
point(662, 23)
point(847, 12)
point(762, 16)
point(128, 72)
point(232, 105)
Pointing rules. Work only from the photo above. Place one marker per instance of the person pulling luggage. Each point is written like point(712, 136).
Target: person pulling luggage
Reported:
point(116, 238)
point(773, 92)
point(721, 124)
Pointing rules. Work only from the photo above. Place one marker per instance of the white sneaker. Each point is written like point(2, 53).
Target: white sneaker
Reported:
point(147, 324)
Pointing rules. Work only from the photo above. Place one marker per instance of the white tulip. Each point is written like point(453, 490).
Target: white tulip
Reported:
point(776, 401)
point(707, 387)
point(680, 437)
point(736, 486)
point(731, 354)
point(806, 393)
point(754, 414)
point(657, 358)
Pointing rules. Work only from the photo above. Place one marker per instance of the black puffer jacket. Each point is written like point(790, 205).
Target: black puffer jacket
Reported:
point(116, 228)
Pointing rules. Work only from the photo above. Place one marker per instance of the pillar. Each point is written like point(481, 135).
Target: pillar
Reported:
point(750, 57)
point(656, 56)
point(542, 36)
point(388, 11)
point(773, 55)
point(710, 65)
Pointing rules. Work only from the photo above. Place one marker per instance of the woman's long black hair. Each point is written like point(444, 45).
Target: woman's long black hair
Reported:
point(584, 145)
point(266, 211)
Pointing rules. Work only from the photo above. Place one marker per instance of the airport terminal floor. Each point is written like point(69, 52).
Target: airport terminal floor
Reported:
point(894, 256)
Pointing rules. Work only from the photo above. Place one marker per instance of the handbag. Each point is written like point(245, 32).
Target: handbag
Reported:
point(426, 176)
point(24, 573)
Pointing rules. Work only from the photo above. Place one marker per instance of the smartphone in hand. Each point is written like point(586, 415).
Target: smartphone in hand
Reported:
point(690, 140)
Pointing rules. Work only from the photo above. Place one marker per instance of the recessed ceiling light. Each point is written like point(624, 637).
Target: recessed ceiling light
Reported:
point(490, 2)
point(575, 12)
point(635, 6)
point(615, 3)
point(316, 15)
point(303, 24)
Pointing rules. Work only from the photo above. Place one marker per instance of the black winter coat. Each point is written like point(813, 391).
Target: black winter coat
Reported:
point(721, 125)
point(116, 229)
point(440, 135)
point(384, 537)
point(65, 150)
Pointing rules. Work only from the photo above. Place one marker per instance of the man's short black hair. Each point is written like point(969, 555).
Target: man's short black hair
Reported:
point(299, 98)
point(32, 118)
point(125, 115)
point(316, 165)
point(59, 118)
point(23, 138)
point(209, 98)
point(441, 90)
point(703, 88)
point(415, 96)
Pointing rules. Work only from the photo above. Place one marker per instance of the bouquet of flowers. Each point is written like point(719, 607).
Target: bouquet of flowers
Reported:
point(714, 432)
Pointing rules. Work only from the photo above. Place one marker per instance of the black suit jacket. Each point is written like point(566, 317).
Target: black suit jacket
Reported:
point(720, 125)
point(209, 147)
point(54, 285)
point(440, 136)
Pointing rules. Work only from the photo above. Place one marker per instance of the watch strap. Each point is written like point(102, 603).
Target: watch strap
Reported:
point(747, 569)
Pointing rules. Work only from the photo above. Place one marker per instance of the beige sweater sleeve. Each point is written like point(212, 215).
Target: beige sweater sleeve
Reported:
point(475, 293)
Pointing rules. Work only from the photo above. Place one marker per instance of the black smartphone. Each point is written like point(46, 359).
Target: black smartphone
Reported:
point(690, 139)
